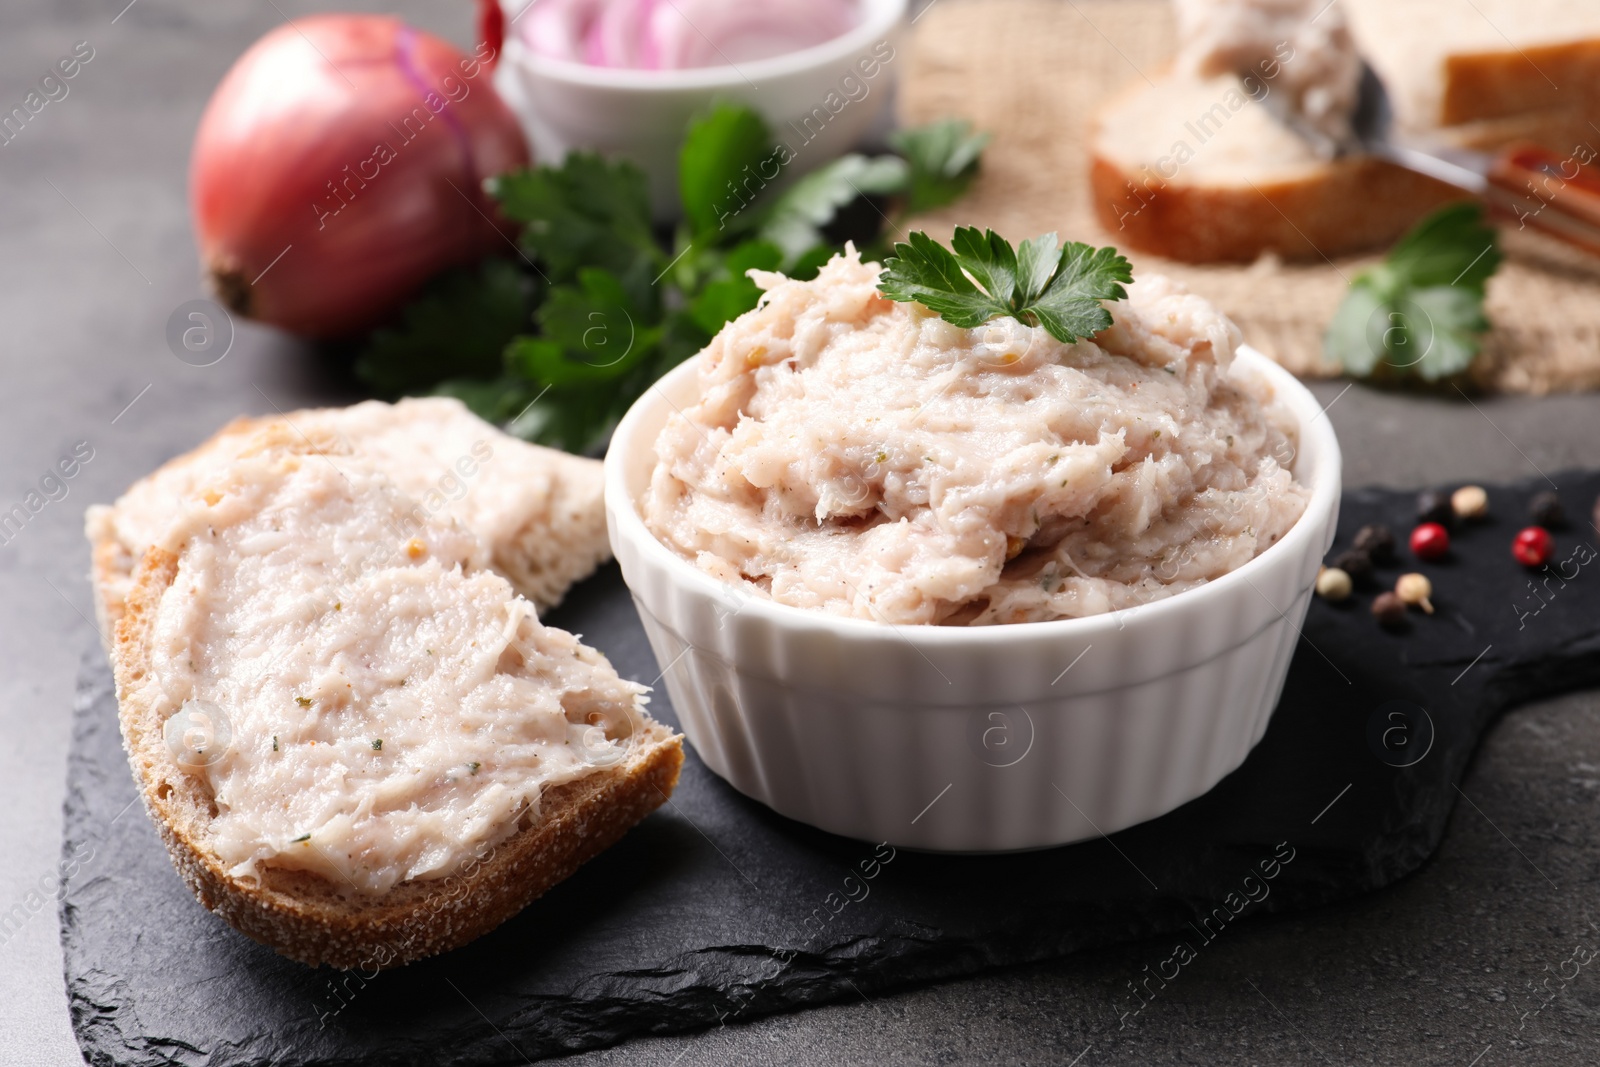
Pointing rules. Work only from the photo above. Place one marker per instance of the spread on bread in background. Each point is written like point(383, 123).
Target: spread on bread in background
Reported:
point(1244, 146)
point(1302, 48)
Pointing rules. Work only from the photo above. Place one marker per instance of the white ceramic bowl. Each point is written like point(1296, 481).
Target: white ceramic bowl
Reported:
point(973, 738)
point(818, 101)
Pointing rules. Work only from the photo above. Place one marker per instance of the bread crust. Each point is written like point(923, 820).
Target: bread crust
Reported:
point(1346, 206)
point(305, 916)
point(1502, 83)
point(1565, 131)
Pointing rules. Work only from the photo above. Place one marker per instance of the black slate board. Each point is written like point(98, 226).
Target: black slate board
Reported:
point(715, 909)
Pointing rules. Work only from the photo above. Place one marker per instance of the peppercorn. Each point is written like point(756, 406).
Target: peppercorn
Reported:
point(1378, 543)
point(1430, 541)
point(1356, 563)
point(1531, 547)
point(1434, 507)
point(1415, 589)
point(1333, 584)
point(1389, 609)
point(1470, 502)
point(1545, 510)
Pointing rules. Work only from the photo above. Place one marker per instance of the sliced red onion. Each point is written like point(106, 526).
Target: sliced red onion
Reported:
point(558, 29)
point(681, 34)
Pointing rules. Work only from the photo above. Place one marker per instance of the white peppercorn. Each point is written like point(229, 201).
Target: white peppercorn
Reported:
point(1333, 584)
point(1415, 589)
point(1470, 502)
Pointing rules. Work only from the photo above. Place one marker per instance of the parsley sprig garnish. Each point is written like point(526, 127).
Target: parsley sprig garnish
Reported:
point(600, 300)
point(981, 277)
point(1420, 311)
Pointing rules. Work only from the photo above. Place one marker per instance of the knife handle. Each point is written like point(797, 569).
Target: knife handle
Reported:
point(1543, 190)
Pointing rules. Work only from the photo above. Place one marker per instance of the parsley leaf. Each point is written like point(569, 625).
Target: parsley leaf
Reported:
point(943, 158)
point(1070, 306)
point(729, 294)
point(1420, 312)
point(924, 270)
point(990, 259)
point(806, 267)
point(798, 214)
point(1453, 246)
point(577, 418)
point(1444, 326)
point(1355, 336)
point(495, 400)
point(557, 343)
point(1059, 290)
point(596, 330)
point(585, 213)
point(459, 325)
point(722, 166)
point(1036, 262)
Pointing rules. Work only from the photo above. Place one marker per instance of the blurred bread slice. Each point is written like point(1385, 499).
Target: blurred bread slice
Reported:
point(1195, 169)
point(539, 511)
point(397, 755)
point(1567, 131)
point(1448, 62)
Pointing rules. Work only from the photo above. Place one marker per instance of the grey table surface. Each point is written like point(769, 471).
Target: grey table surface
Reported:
point(1465, 962)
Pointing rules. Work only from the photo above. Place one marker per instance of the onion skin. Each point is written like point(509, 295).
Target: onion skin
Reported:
point(306, 146)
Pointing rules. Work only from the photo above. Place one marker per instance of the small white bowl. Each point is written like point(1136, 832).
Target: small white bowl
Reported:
point(640, 115)
point(973, 739)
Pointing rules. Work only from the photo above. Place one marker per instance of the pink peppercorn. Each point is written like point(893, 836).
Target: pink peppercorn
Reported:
point(1430, 541)
point(1531, 547)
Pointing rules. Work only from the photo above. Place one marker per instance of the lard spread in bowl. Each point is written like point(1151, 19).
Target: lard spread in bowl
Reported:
point(836, 468)
point(857, 456)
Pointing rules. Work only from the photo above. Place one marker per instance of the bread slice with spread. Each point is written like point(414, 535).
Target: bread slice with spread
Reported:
point(1452, 62)
point(1199, 162)
point(358, 742)
point(538, 511)
point(1199, 170)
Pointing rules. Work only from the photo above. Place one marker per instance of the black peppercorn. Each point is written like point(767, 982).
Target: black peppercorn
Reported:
point(1356, 563)
point(1545, 510)
point(1435, 507)
point(1377, 542)
point(1389, 609)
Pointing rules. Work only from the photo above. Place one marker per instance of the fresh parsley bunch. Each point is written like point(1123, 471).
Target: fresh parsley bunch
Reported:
point(1420, 312)
point(981, 277)
point(557, 343)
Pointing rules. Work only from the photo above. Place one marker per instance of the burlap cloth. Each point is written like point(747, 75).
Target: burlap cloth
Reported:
point(1033, 72)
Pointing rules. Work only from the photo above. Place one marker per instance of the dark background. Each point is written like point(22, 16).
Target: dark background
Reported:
point(98, 252)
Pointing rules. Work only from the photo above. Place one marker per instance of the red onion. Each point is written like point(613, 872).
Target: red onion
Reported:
point(340, 165)
point(677, 34)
